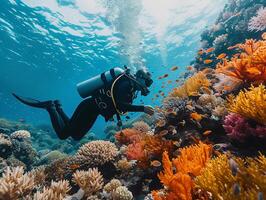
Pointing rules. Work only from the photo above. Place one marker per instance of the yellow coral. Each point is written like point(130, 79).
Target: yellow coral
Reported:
point(192, 86)
point(250, 103)
point(250, 65)
point(218, 179)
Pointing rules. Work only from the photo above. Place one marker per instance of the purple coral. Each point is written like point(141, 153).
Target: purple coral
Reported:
point(239, 128)
point(258, 22)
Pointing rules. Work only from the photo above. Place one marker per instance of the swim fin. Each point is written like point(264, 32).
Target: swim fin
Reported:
point(33, 102)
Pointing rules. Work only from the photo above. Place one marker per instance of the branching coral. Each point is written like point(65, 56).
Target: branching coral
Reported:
point(98, 152)
point(218, 179)
point(239, 129)
point(57, 190)
point(250, 65)
point(192, 86)
point(15, 184)
point(258, 22)
point(250, 104)
point(122, 193)
point(179, 184)
point(90, 181)
point(193, 158)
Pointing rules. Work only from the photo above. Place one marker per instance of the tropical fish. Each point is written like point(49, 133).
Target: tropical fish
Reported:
point(169, 82)
point(182, 123)
point(210, 50)
point(157, 96)
point(200, 52)
point(263, 36)
point(189, 68)
point(260, 196)
point(208, 61)
point(208, 132)
point(221, 56)
point(156, 163)
point(165, 76)
point(74, 166)
point(161, 123)
point(236, 189)
point(233, 166)
point(196, 116)
point(163, 133)
point(189, 107)
point(177, 80)
point(174, 68)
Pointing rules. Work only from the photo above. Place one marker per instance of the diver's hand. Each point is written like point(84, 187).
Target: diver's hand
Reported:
point(149, 110)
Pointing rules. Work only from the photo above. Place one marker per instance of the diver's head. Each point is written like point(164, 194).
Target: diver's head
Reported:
point(144, 79)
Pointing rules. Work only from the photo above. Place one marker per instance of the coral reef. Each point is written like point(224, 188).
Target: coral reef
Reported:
point(90, 181)
point(192, 86)
point(250, 103)
point(258, 22)
point(218, 178)
point(240, 129)
point(179, 184)
point(98, 152)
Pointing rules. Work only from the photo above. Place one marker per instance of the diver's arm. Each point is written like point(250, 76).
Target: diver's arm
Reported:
point(126, 107)
point(123, 98)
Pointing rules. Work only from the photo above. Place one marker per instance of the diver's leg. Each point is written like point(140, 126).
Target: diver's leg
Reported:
point(83, 119)
point(57, 122)
point(60, 111)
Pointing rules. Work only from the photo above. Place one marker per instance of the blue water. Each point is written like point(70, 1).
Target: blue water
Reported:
point(47, 47)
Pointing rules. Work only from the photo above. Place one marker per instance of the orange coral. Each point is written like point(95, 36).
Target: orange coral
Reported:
point(192, 86)
point(144, 147)
point(179, 184)
point(250, 65)
point(193, 158)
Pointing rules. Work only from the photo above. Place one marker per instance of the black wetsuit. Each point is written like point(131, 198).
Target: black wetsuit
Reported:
point(88, 110)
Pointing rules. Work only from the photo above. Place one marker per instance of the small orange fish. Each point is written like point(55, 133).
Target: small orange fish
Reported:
point(208, 132)
point(263, 36)
point(200, 52)
point(190, 68)
point(206, 90)
point(196, 116)
point(74, 166)
point(156, 163)
point(174, 68)
point(165, 76)
point(210, 50)
point(208, 61)
point(221, 56)
point(169, 82)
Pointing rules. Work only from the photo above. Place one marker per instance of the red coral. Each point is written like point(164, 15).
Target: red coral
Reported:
point(128, 136)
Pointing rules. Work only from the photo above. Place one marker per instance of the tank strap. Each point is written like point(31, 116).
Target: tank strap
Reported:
point(103, 77)
point(112, 72)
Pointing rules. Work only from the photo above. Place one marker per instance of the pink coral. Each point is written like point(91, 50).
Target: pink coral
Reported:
point(258, 22)
point(239, 128)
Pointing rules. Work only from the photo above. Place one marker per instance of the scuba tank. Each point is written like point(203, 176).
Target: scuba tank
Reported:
point(87, 87)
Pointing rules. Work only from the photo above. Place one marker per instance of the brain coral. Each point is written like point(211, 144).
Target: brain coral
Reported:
point(98, 152)
point(20, 135)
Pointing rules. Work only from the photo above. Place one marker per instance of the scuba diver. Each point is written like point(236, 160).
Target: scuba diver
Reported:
point(111, 93)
